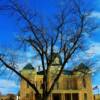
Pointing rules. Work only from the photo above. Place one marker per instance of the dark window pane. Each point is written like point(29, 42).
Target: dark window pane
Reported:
point(56, 96)
point(68, 96)
point(75, 96)
point(85, 96)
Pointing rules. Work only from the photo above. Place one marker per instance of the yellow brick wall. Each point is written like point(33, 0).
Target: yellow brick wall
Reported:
point(75, 80)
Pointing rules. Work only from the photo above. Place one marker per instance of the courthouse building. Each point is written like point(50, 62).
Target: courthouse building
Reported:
point(72, 85)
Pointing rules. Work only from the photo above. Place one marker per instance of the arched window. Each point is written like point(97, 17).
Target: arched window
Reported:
point(84, 83)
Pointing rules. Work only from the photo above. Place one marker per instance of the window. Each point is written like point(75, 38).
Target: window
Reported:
point(85, 96)
point(56, 86)
point(36, 84)
point(41, 87)
point(41, 84)
point(56, 96)
point(73, 96)
point(27, 95)
point(68, 96)
point(27, 85)
point(37, 97)
point(74, 83)
point(84, 83)
point(69, 83)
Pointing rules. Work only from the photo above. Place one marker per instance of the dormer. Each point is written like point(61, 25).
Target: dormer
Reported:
point(56, 59)
point(28, 70)
point(82, 69)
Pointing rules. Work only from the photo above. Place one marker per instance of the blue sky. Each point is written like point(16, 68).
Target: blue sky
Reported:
point(8, 31)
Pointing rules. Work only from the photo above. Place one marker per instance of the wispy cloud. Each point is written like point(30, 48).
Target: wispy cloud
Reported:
point(95, 14)
point(94, 49)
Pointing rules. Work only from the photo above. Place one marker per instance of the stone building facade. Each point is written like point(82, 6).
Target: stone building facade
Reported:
point(72, 85)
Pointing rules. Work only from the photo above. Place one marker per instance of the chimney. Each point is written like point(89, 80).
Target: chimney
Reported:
point(38, 68)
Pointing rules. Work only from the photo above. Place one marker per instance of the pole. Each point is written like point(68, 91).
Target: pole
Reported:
point(98, 90)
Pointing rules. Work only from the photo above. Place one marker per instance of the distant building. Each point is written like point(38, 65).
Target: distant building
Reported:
point(8, 97)
point(97, 97)
point(72, 85)
point(18, 96)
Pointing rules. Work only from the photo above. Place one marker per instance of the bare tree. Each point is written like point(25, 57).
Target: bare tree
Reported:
point(63, 35)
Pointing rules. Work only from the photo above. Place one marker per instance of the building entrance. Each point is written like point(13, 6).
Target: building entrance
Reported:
point(56, 96)
point(73, 96)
